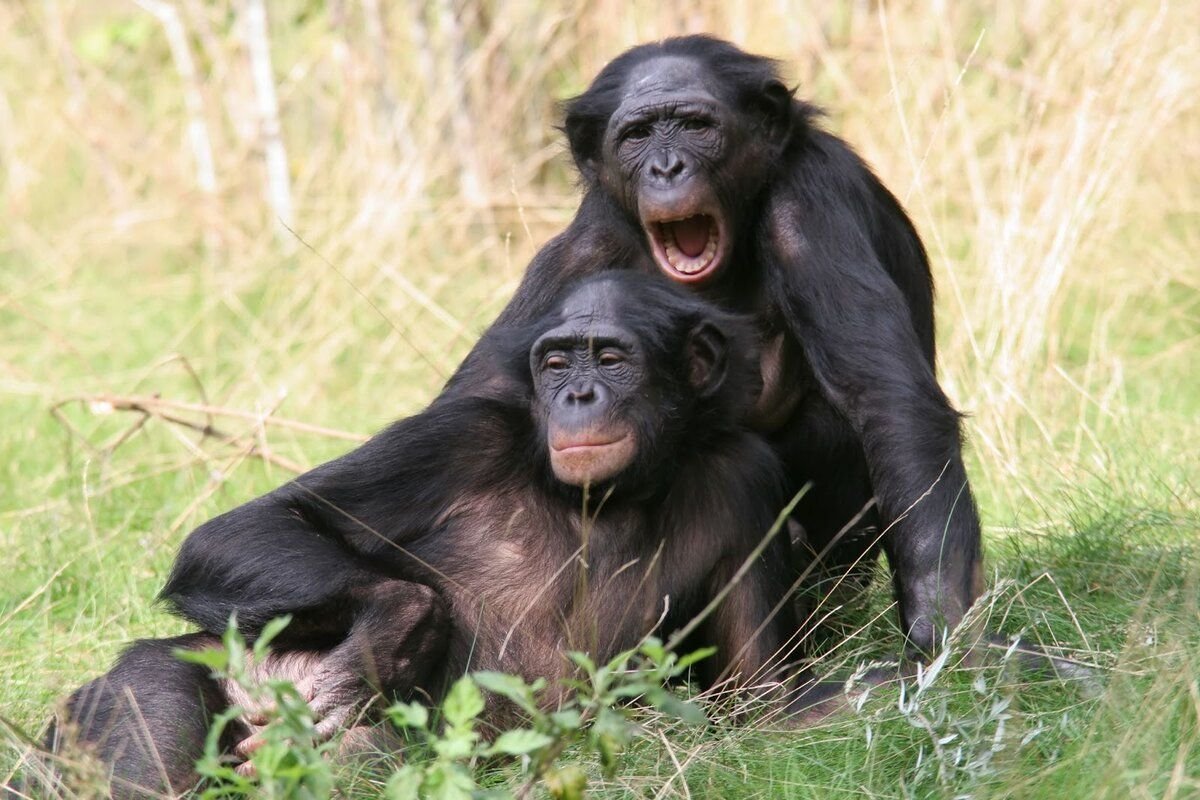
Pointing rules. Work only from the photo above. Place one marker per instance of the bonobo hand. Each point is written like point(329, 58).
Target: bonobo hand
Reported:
point(390, 651)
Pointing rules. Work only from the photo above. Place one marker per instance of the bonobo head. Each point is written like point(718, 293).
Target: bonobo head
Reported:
point(632, 373)
point(683, 135)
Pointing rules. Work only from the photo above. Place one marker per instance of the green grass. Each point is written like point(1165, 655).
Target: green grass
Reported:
point(1049, 158)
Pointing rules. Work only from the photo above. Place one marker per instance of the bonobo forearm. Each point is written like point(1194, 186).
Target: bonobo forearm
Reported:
point(260, 561)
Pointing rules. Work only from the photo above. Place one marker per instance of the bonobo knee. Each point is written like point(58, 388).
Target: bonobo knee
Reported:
point(147, 717)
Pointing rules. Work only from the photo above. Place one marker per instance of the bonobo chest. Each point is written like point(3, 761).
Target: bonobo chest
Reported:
point(519, 600)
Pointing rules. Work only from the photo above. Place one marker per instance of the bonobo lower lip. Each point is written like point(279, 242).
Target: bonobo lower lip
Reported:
point(583, 443)
point(688, 248)
point(580, 457)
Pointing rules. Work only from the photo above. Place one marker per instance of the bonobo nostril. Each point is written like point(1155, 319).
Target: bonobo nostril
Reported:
point(666, 165)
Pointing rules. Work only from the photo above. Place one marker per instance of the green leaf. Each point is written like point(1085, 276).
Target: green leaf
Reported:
point(510, 686)
point(612, 724)
point(447, 782)
point(619, 662)
point(583, 661)
point(633, 689)
point(214, 658)
point(610, 753)
point(583, 687)
point(408, 715)
point(693, 657)
point(653, 649)
point(456, 744)
point(668, 703)
point(404, 784)
point(519, 742)
point(609, 737)
point(212, 765)
point(235, 647)
point(569, 719)
point(463, 703)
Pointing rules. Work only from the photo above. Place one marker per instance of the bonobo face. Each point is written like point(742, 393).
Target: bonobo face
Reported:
point(586, 371)
point(665, 148)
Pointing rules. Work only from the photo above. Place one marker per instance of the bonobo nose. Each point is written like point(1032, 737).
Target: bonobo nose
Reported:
point(666, 167)
point(581, 393)
point(581, 405)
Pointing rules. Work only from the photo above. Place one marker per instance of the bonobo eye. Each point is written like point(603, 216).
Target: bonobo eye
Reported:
point(555, 362)
point(636, 133)
point(610, 358)
point(696, 124)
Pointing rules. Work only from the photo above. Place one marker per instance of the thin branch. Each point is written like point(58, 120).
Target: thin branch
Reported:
point(158, 406)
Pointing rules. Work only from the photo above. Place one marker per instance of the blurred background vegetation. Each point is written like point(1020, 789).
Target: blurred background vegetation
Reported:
point(273, 227)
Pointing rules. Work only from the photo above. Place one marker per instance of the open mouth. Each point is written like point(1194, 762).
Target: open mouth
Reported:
point(687, 249)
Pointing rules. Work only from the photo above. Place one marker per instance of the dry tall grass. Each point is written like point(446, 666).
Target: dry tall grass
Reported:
point(1048, 151)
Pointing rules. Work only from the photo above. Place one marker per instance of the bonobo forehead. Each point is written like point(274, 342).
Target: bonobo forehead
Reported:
point(677, 76)
point(590, 311)
point(597, 299)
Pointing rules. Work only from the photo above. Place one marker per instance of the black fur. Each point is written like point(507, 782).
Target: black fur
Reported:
point(824, 257)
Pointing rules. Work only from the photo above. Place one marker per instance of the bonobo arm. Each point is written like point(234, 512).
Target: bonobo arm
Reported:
point(823, 234)
point(596, 240)
point(310, 547)
point(751, 625)
point(318, 547)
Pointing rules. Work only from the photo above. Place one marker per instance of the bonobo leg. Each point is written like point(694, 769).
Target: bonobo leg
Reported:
point(147, 719)
point(835, 530)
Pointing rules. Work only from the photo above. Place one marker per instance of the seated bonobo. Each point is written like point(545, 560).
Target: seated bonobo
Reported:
point(598, 487)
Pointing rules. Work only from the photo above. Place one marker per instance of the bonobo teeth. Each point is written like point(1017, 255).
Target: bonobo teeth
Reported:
point(682, 262)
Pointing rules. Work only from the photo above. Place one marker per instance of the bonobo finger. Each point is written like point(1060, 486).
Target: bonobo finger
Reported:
point(332, 691)
point(246, 747)
point(328, 702)
point(334, 721)
point(258, 717)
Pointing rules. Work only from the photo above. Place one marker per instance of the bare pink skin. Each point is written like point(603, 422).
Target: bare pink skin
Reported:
point(591, 456)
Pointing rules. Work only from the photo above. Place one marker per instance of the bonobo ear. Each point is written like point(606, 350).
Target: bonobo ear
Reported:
point(707, 358)
point(774, 102)
point(584, 137)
